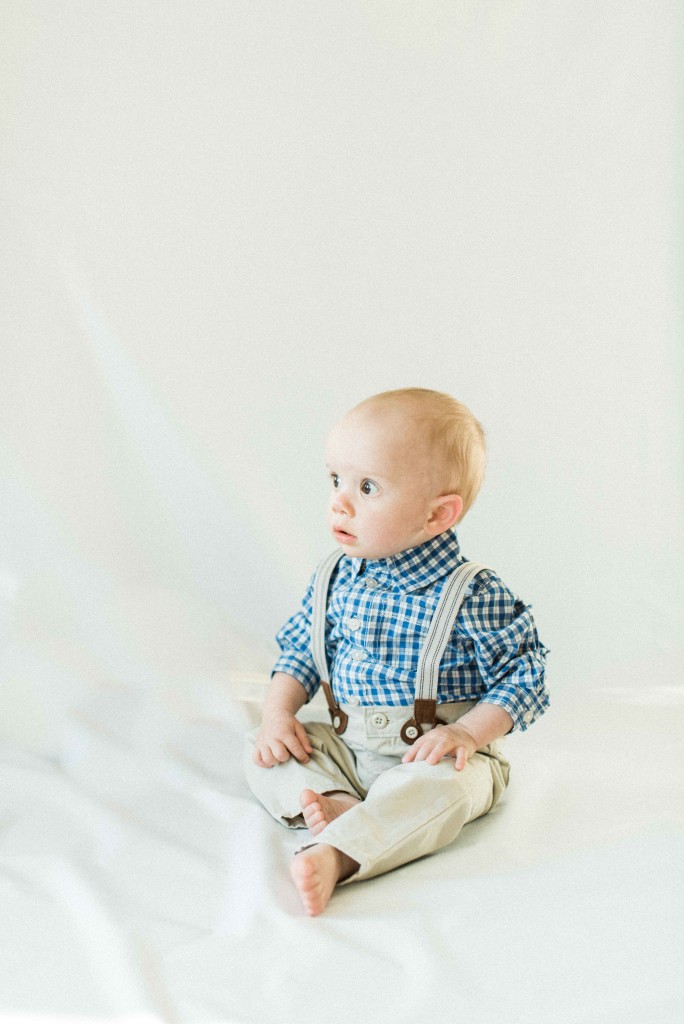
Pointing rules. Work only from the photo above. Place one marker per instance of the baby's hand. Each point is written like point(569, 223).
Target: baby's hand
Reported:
point(279, 737)
point(442, 741)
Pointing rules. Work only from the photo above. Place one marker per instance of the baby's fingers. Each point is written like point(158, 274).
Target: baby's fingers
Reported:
point(461, 758)
point(418, 751)
point(410, 754)
point(439, 748)
point(270, 754)
point(303, 737)
point(263, 757)
point(431, 748)
point(299, 746)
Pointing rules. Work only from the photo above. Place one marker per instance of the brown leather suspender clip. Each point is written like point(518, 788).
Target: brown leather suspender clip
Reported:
point(338, 717)
point(424, 713)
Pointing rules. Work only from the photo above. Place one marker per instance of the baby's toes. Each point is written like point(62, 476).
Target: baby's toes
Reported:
point(310, 812)
point(316, 822)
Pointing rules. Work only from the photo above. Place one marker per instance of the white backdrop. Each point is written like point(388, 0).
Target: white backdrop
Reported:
point(223, 223)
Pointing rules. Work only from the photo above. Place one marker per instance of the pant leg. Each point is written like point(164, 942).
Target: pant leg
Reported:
point(415, 809)
point(332, 766)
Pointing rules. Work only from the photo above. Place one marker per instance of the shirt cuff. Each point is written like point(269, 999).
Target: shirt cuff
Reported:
point(303, 670)
point(524, 708)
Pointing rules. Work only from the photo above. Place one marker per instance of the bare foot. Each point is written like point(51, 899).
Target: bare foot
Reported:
point(319, 809)
point(316, 871)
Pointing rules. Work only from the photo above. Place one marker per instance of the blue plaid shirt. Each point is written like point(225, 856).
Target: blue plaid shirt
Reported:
point(378, 616)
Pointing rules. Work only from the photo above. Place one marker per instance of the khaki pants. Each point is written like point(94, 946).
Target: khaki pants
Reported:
point(407, 810)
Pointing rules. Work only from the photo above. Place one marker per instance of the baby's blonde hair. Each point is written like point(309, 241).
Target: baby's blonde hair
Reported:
point(452, 433)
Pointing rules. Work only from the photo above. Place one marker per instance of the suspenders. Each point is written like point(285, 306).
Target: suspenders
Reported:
point(320, 605)
point(427, 675)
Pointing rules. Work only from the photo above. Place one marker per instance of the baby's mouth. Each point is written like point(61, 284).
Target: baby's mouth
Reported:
point(341, 534)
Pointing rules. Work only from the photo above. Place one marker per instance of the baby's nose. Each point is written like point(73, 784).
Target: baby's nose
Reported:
point(341, 503)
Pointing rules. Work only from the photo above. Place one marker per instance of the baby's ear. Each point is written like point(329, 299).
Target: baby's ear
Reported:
point(446, 511)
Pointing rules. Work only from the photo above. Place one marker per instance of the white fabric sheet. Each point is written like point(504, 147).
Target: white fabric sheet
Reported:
point(223, 225)
point(140, 881)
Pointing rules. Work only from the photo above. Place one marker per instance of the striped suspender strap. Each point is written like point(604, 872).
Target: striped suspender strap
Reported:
point(441, 627)
point(318, 613)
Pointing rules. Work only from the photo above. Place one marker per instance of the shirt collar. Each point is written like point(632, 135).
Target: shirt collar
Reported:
point(416, 567)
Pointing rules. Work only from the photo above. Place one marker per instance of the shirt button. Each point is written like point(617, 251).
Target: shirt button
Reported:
point(354, 624)
point(354, 701)
point(358, 655)
point(379, 720)
point(528, 717)
point(371, 584)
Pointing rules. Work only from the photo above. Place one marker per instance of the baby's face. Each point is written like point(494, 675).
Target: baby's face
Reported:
point(382, 484)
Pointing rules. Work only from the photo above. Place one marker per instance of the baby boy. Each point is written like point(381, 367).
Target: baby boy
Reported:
point(426, 659)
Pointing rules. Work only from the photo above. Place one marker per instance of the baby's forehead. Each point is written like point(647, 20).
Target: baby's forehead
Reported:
point(380, 436)
point(384, 420)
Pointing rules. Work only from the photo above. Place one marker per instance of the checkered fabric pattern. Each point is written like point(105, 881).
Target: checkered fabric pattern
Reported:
point(378, 617)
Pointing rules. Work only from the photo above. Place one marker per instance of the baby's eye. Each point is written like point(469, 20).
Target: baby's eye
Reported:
point(368, 487)
point(335, 479)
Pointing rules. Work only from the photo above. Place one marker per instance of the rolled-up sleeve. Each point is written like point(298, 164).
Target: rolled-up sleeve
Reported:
point(510, 656)
point(294, 640)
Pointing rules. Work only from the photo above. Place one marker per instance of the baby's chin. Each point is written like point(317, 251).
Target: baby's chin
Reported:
point(357, 549)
